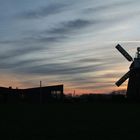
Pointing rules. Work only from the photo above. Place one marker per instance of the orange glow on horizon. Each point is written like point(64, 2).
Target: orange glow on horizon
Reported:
point(14, 82)
point(96, 91)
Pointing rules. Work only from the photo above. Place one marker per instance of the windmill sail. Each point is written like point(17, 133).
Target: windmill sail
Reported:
point(123, 79)
point(124, 53)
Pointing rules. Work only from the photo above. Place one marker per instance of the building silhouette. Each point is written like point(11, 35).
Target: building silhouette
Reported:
point(31, 95)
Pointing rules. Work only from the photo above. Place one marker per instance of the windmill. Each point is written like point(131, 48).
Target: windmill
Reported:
point(133, 87)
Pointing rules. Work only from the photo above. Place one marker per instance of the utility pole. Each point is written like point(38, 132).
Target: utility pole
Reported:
point(74, 93)
point(40, 92)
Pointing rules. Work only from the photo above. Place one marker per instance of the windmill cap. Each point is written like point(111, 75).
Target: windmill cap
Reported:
point(138, 49)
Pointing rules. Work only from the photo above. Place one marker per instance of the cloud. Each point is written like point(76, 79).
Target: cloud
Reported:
point(15, 64)
point(48, 39)
point(14, 59)
point(106, 6)
point(71, 68)
point(18, 52)
point(70, 26)
point(89, 60)
point(62, 31)
point(44, 11)
point(47, 47)
point(56, 69)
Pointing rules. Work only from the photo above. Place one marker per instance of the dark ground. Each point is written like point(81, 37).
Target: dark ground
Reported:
point(69, 121)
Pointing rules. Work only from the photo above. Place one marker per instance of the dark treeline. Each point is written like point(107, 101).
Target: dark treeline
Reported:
point(55, 94)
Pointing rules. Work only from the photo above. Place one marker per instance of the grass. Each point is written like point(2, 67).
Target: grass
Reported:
point(70, 121)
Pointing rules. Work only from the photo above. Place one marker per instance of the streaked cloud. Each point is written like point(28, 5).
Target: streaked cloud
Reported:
point(71, 26)
point(44, 11)
point(71, 42)
point(108, 5)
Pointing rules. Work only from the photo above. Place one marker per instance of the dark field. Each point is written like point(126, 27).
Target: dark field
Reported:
point(70, 121)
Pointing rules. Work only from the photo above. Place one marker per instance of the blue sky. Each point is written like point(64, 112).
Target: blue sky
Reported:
point(69, 42)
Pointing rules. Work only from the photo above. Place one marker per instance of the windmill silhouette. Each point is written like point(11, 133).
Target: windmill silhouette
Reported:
point(133, 87)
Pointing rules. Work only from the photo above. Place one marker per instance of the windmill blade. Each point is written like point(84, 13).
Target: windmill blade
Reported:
point(123, 79)
point(124, 53)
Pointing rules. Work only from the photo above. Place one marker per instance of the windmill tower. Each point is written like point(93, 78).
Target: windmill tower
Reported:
point(133, 88)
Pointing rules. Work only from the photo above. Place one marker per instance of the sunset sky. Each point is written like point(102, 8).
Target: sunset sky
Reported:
point(70, 42)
